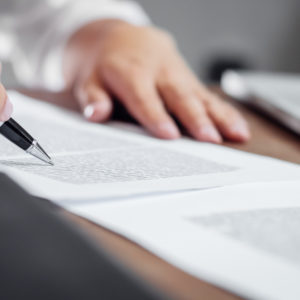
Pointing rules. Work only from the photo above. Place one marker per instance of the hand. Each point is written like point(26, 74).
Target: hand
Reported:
point(142, 67)
point(5, 105)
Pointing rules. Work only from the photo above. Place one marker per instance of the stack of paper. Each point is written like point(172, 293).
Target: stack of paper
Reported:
point(210, 210)
point(244, 238)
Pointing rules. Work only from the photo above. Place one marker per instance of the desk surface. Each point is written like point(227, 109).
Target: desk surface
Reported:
point(268, 138)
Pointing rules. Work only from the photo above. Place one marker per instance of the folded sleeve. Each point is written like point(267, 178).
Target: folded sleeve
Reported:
point(42, 33)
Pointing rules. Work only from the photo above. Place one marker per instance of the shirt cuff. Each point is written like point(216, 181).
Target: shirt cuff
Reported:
point(71, 19)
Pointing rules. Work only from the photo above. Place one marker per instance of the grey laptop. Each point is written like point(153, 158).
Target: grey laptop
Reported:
point(277, 94)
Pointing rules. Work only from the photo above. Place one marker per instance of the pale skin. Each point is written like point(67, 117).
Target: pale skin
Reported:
point(5, 105)
point(143, 69)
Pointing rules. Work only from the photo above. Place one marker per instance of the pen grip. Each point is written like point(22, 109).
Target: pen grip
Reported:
point(16, 134)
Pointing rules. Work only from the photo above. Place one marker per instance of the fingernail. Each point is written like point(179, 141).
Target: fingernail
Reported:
point(241, 129)
point(89, 111)
point(7, 111)
point(167, 130)
point(209, 133)
point(98, 111)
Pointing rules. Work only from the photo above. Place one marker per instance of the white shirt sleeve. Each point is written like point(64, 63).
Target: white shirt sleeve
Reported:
point(41, 34)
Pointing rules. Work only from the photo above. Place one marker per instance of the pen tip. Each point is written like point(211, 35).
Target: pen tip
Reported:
point(37, 151)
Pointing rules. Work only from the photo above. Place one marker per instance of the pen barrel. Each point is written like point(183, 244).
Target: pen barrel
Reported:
point(16, 134)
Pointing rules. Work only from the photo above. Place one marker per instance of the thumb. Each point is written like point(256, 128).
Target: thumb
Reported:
point(6, 107)
point(95, 102)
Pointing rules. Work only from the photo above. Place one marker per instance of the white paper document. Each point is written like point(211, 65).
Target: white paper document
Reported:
point(94, 161)
point(243, 238)
point(223, 215)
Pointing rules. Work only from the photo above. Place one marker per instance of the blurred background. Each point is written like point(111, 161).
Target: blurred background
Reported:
point(215, 35)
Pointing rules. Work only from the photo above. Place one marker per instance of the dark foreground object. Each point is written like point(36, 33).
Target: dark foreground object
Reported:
point(43, 257)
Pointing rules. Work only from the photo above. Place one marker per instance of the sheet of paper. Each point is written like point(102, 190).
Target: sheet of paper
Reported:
point(243, 238)
point(94, 161)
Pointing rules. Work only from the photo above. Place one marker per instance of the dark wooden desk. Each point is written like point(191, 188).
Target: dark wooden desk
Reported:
point(269, 138)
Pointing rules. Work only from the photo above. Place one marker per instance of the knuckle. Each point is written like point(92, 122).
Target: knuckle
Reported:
point(166, 36)
point(136, 73)
point(127, 66)
point(137, 88)
point(224, 110)
point(233, 113)
point(174, 90)
point(139, 93)
point(180, 95)
point(161, 36)
point(209, 97)
point(110, 64)
point(212, 100)
point(169, 76)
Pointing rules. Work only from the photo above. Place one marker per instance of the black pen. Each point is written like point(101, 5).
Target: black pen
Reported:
point(20, 137)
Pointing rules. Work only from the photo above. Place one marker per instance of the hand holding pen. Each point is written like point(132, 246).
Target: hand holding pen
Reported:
point(6, 107)
point(15, 133)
